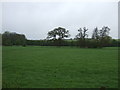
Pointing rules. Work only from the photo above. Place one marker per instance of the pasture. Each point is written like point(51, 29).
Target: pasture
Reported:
point(59, 67)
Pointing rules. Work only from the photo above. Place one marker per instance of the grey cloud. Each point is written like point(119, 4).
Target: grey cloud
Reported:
point(36, 19)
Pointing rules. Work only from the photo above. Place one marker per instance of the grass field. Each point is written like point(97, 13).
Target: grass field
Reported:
point(59, 67)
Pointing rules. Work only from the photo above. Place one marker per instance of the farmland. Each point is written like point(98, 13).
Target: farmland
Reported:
point(59, 67)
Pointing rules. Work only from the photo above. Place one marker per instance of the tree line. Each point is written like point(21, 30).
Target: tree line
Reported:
point(10, 39)
point(57, 37)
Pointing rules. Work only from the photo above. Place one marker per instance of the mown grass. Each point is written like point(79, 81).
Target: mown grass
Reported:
point(59, 67)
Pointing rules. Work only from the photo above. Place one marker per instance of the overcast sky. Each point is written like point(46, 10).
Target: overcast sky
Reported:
point(36, 19)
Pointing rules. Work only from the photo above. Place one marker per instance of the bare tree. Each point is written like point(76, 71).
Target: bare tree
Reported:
point(101, 37)
point(81, 36)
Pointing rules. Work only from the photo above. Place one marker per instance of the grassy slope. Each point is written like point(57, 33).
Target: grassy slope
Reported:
point(39, 67)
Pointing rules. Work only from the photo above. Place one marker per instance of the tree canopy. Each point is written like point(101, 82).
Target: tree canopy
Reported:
point(59, 32)
point(11, 38)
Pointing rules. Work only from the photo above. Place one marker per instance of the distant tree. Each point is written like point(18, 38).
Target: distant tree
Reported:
point(62, 33)
point(52, 34)
point(101, 37)
point(104, 36)
point(95, 38)
point(104, 32)
point(58, 34)
point(11, 38)
point(95, 34)
point(81, 37)
point(82, 33)
point(6, 39)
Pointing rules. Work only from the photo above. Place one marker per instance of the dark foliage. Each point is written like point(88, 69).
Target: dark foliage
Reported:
point(9, 39)
point(59, 32)
point(100, 38)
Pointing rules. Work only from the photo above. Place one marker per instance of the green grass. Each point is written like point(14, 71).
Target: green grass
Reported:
point(0, 66)
point(64, 67)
